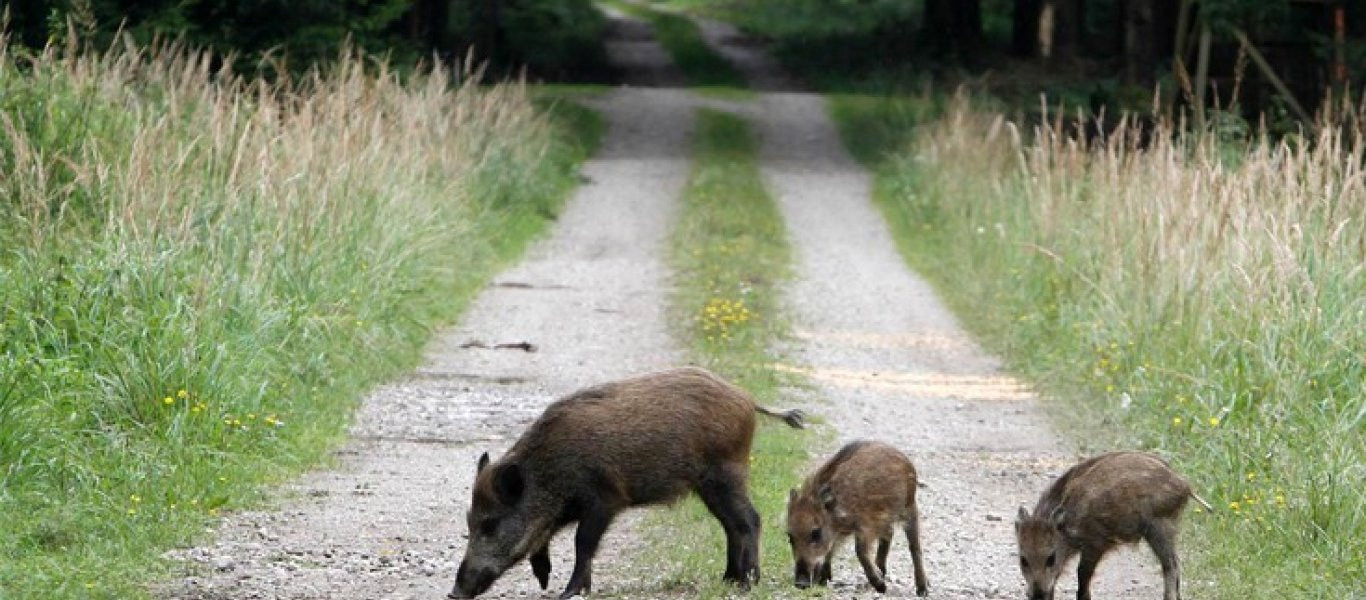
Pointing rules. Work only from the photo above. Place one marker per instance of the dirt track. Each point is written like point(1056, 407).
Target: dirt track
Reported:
point(887, 360)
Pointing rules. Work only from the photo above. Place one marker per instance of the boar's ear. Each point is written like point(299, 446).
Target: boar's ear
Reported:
point(791, 496)
point(483, 462)
point(1058, 517)
point(509, 484)
point(1021, 517)
point(827, 497)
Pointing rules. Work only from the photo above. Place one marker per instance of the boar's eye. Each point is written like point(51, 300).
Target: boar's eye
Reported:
point(488, 526)
point(791, 539)
point(1024, 563)
point(816, 535)
point(1052, 559)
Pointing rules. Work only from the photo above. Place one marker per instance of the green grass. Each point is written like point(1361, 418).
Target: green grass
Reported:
point(706, 70)
point(1166, 300)
point(731, 258)
point(199, 277)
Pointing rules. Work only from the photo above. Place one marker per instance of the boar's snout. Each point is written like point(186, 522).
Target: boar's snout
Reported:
point(806, 573)
point(471, 582)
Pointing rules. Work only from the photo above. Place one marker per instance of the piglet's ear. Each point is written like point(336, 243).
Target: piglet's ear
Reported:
point(827, 497)
point(483, 462)
point(1058, 517)
point(792, 495)
point(509, 483)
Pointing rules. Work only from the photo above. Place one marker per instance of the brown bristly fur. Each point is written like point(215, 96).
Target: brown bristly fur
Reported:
point(1102, 502)
point(645, 440)
point(863, 491)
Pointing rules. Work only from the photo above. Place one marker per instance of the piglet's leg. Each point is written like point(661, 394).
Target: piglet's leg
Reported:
point(863, 548)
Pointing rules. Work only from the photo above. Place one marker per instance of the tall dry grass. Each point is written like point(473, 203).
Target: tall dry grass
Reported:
point(200, 273)
point(1202, 298)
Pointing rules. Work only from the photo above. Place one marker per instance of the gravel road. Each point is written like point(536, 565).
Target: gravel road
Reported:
point(886, 359)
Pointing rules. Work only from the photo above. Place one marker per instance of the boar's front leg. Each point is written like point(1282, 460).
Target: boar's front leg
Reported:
point(592, 525)
point(863, 547)
point(540, 565)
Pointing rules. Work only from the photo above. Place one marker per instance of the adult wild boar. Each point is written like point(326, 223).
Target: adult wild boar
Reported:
point(645, 440)
point(1097, 504)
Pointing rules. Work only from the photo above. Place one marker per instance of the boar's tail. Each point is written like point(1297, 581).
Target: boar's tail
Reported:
point(1201, 502)
point(794, 418)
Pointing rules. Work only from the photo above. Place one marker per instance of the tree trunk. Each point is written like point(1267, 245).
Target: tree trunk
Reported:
point(1140, 41)
point(1024, 34)
point(954, 26)
point(1067, 26)
point(968, 27)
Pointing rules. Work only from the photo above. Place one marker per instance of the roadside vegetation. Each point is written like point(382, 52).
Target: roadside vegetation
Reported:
point(706, 70)
point(730, 255)
point(1195, 298)
point(201, 274)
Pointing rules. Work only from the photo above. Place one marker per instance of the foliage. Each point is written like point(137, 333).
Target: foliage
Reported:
point(305, 32)
point(180, 320)
point(1248, 14)
point(558, 39)
point(555, 39)
point(829, 42)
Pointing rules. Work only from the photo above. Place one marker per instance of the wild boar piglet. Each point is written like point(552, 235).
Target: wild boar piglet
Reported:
point(1114, 498)
point(864, 490)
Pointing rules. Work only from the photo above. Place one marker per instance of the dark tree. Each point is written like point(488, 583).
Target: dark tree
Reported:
point(954, 27)
point(1140, 40)
point(1024, 32)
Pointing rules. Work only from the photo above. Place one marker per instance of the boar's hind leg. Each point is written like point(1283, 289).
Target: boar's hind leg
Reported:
point(592, 525)
point(1161, 537)
point(723, 492)
point(912, 529)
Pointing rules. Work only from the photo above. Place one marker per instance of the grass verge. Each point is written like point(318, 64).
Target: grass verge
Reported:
point(708, 72)
point(731, 257)
point(181, 322)
point(1173, 301)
